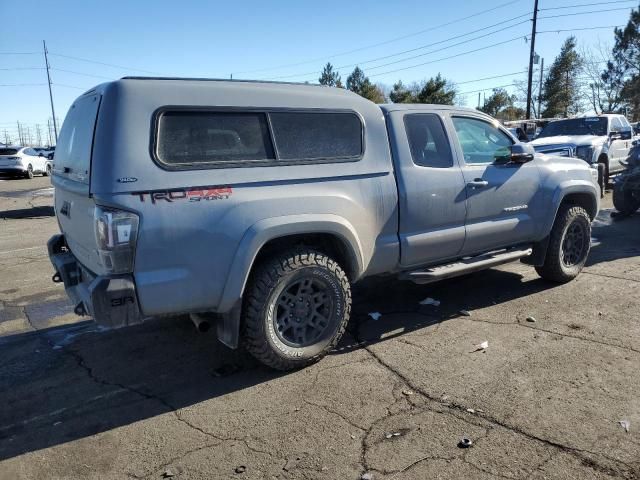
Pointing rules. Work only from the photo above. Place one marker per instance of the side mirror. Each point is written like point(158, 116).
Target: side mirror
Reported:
point(626, 134)
point(521, 153)
point(40, 154)
point(615, 136)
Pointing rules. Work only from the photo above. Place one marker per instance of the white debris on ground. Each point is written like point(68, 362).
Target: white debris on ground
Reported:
point(375, 315)
point(430, 301)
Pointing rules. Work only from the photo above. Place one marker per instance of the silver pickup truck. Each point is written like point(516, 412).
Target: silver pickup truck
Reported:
point(603, 141)
point(260, 204)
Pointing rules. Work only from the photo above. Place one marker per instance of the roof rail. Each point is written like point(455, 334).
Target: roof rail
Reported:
point(200, 79)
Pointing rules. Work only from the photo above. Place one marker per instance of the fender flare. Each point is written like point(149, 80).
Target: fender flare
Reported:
point(265, 230)
point(562, 190)
point(254, 239)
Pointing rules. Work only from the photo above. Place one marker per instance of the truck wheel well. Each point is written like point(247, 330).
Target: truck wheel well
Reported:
point(327, 243)
point(583, 200)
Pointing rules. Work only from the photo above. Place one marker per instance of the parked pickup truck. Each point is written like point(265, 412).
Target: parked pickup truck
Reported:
point(260, 204)
point(603, 141)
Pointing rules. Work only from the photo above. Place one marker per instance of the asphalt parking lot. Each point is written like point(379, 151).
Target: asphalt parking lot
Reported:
point(160, 400)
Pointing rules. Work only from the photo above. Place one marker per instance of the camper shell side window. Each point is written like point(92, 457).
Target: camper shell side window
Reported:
point(188, 138)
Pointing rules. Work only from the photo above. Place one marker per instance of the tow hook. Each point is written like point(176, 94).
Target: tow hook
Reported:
point(56, 278)
point(80, 310)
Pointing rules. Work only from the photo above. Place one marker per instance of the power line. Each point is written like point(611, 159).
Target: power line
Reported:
point(69, 86)
point(411, 50)
point(103, 63)
point(588, 4)
point(386, 42)
point(22, 84)
point(450, 57)
point(22, 68)
point(580, 29)
point(80, 73)
point(586, 13)
point(443, 41)
point(19, 53)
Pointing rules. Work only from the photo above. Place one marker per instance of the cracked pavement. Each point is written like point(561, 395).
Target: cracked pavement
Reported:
point(161, 400)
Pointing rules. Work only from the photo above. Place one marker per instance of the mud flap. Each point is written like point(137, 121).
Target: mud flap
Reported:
point(539, 253)
point(113, 302)
point(228, 326)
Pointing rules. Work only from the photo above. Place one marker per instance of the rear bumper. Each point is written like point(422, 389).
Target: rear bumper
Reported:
point(14, 169)
point(110, 300)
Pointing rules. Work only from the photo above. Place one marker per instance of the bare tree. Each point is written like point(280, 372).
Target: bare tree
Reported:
point(604, 96)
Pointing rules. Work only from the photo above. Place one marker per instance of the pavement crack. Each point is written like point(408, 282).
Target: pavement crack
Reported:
point(334, 412)
point(454, 406)
point(417, 462)
point(553, 332)
point(626, 279)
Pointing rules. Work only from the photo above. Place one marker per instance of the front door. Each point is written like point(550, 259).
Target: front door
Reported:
point(431, 187)
point(501, 196)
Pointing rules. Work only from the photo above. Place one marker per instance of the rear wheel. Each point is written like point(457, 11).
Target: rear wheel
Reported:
point(296, 309)
point(569, 245)
point(29, 172)
point(626, 200)
point(47, 170)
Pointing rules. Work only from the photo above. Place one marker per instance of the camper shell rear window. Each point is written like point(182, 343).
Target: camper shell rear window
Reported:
point(75, 142)
point(185, 138)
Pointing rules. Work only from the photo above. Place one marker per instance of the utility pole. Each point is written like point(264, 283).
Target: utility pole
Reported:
point(20, 139)
point(540, 90)
point(6, 137)
point(53, 112)
point(38, 135)
point(531, 55)
point(478, 100)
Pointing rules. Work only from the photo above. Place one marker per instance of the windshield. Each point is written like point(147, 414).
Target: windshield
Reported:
point(576, 126)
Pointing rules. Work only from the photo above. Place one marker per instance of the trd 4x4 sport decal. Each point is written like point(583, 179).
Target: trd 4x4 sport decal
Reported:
point(195, 194)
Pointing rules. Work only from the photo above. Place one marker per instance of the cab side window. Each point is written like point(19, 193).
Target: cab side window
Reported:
point(616, 124)
point(428, 141)
point(481, 142)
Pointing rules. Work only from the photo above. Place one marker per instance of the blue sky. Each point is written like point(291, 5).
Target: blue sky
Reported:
point(249, 38)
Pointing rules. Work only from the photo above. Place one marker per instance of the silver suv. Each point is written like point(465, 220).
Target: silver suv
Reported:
point(258, 205)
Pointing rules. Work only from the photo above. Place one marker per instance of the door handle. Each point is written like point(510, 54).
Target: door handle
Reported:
point(478, 183)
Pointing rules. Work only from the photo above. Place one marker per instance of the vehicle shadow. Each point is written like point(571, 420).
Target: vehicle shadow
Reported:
point(67, 383)
point(61, 384)
point(25, 213)
point(614, 238)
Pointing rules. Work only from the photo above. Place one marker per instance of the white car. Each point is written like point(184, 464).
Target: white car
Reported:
point(24, 162)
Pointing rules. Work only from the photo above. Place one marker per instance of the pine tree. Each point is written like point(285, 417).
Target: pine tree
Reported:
point(356, 80)
point(437, 90)
point(401, 94)
point(561, 91)
point(498, 103)
point(329, 77)
point(359, 83)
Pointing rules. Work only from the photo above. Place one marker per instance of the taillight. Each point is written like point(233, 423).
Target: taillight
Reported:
point(116, 235)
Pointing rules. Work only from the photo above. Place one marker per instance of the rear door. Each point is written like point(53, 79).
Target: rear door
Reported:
point(501, 197)
point(71, 175)
point(431, 189)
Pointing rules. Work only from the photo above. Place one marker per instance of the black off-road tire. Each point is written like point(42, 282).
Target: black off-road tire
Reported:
point(555, 268)
point(29, 173)
point(625, 200)
point(270, 287)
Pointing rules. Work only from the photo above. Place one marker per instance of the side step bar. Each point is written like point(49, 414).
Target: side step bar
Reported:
point(466, 265)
